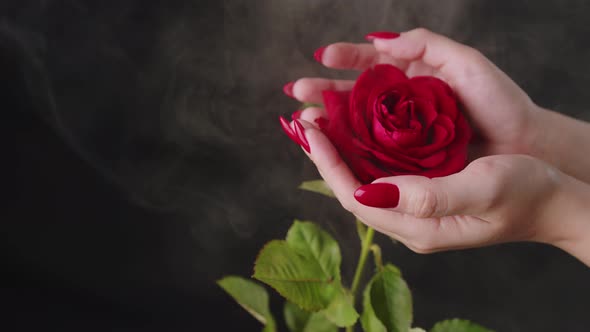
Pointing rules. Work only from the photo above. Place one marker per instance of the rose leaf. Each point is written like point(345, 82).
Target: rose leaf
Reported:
point(341, 311)
point(369, 320)
point(308, 238)
point(299, 320)
point(390, 300)
point(361, 230)
point(250, 296)
point(305, 269)
point(317, 186)
point(458, 325)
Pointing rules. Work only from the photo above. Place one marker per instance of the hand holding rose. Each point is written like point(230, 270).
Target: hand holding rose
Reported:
point(391, 125)
point(495, 199)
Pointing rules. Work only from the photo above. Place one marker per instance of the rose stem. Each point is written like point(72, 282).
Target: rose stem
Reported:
point(358, 273)
point(365, 246)
point(377, 256)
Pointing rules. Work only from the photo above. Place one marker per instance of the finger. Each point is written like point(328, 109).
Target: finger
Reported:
point(355, 56)
point(440, 213)
point(416, 221)
point(343, 183)
point(311, 114)
point(462, 193)
point(332, 168)
point(445, 55)
point(309, 90)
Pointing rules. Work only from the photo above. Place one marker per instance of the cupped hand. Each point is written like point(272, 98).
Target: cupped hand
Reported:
point(494, 199)
point(502, 195)
point(497, 108)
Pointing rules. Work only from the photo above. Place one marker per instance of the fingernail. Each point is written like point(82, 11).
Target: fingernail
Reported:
point(288, 89)
point(288, 130)
point(317, 55)
point(301, 134)
point(296, 115)
point(382, 35)
point(379, 195)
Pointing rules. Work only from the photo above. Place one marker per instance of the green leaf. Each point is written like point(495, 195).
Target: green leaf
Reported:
point(299, 320)
point(295, 317)
point(306, 105)
point(376, 250)
point(310, 240)
point(458, 325)
point(341, 311)
point(251, 297)
point(317, 186)
point(305, 268)
point(296, 277)
point(369, 320)
point(391, 299)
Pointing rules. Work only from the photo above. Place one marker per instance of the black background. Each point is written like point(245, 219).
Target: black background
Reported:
point(145, 161)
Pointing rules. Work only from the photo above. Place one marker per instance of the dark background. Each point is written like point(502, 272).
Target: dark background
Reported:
point(145, 160)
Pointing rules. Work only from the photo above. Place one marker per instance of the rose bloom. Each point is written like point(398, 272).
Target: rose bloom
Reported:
point(390, 124)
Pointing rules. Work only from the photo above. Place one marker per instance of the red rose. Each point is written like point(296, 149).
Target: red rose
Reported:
point(390, 124)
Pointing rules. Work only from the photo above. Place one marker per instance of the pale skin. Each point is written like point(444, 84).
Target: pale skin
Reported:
point(528, 179)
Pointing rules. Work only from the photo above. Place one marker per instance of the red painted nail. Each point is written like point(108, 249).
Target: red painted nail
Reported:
point(288, 89)
point(296, 115)
point(382, 35)
point(379, 195)
point(301, 134)
point(317, 55)
point(289, 131)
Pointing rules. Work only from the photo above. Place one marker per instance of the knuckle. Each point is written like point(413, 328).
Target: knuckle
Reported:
point(491, 171)
point(425, 203)
point(421, 32)
point(355, 57)
point(474, 60)
point(359, 59)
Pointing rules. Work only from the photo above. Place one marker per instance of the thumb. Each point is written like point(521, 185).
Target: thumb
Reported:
point(458, 194)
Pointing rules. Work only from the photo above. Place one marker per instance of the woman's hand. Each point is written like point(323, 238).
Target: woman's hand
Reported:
point(495, 199)
point(503, 197)
point(498, 109)
point(504, 117)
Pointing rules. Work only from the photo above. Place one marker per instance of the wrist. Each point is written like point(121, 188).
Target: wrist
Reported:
point(567, 219)
point(536, 134)
point(557, 139)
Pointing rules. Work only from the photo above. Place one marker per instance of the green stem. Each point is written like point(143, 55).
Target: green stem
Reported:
point(358, 273)
point(377, 256)
point(365, 246)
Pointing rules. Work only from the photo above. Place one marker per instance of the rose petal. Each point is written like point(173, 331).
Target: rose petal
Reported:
point(463, 134)
point(391, 125)
point(369, 85)
point(433, 160)
point(452, 164)
point(438, 92)
point(388, 136)
point(425, 112)
point(393, 159)
point(366, 169)
point(405, 138)
point(440, 138)
point(336, 103)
